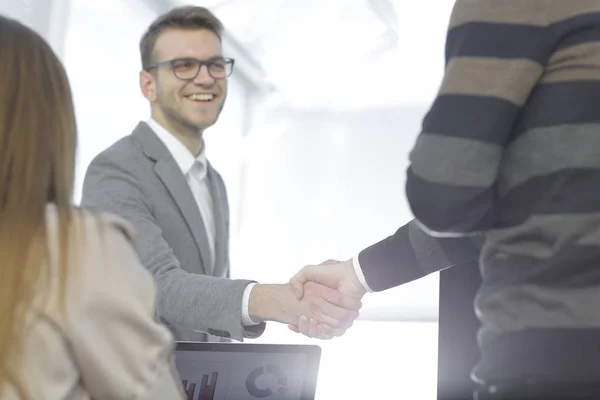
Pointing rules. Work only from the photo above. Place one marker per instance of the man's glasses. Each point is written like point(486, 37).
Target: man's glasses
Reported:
point(188, 69)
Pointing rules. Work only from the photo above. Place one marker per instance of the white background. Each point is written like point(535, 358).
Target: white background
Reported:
point(315, 170)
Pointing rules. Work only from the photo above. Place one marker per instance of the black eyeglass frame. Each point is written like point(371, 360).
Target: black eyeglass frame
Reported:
point(207, 63)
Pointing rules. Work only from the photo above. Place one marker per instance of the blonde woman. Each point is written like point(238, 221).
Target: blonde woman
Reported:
point(76, 306)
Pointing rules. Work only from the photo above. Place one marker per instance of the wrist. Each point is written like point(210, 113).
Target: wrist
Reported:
point(246, 319)
point(354, 270)
point(267, 302)
point(356, 281)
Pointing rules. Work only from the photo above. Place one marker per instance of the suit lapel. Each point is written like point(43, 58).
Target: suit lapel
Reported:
point(171, 176)
point(220, 223)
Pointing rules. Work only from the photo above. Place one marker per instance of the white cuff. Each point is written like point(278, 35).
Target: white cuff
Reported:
point(359, 274)
point(246, 320)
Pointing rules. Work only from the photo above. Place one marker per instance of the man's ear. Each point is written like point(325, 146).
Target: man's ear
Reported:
point(148, 85)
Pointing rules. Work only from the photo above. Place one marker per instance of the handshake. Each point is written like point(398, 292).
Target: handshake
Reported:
point(321, 301)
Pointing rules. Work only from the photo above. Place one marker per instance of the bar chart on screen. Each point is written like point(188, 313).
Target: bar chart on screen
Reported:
point(205, 388)
point(205, 380)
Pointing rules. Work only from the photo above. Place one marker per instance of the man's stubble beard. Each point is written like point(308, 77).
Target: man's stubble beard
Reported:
point(187, 127)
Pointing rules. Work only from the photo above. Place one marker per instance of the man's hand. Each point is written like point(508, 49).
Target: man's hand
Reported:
point(319, 303)
point(336, 275)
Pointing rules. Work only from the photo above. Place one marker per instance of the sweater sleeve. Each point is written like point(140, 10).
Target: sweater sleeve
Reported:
point(495, 55)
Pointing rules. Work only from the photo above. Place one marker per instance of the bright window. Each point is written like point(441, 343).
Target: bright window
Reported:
point(102, 60)
point(374, 360)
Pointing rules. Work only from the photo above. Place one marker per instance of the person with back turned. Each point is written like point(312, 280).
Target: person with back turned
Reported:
point(509, 156)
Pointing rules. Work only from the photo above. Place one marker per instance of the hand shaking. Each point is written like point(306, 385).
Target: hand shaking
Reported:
point(336, 275)
point(269, 302)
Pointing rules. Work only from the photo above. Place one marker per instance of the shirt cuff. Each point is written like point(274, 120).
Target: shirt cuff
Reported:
point(359, 273)
point(246, 319)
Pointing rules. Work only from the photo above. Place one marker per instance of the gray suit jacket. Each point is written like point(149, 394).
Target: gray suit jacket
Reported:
point(138, 179)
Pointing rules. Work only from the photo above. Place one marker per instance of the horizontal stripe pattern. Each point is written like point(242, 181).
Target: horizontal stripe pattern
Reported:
point(590, 33)
point(506, 41)
point(579, 62)
point(541, 151)
point(557, 104)
point(499, 11)
point(580, 231)
point(573, 15)
point(552, 308)
point(572, 190)
point(507, 79)
point(526, 269)
point(487, 119)
point(448, 209)
point(524, 12)
point(511, 147)
point(477, 165)
point(572, 355)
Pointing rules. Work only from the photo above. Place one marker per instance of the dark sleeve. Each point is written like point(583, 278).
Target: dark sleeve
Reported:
point(410, 254)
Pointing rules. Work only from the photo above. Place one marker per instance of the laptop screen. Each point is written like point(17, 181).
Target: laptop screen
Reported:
point(239, 371)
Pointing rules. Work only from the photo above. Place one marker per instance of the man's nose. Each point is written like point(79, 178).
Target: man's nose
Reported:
point(203, 77)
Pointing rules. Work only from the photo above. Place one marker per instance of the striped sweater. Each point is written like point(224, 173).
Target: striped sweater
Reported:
point(510, 151)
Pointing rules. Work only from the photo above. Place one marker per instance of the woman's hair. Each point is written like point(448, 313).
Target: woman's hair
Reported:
point(37, 163)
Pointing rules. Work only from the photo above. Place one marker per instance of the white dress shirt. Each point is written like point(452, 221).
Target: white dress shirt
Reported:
point(194, 169)
point(359, 274)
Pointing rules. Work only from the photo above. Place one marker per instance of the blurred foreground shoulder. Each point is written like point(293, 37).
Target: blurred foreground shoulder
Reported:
point(122, 351)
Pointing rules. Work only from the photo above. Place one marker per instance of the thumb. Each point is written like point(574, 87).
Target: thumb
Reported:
point(297, 283)
point(327, 275)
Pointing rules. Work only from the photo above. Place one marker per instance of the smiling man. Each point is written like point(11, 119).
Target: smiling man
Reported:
point(158, 178)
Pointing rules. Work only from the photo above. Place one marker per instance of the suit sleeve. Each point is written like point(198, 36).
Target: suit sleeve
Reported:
point(190, 301)
point(411, 254)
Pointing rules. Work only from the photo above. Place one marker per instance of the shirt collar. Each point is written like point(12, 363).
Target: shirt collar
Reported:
point(182, 156)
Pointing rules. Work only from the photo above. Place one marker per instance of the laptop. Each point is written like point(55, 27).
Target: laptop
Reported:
point(240, 371)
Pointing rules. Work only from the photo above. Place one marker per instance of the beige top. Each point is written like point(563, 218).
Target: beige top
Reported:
point(107, 345)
